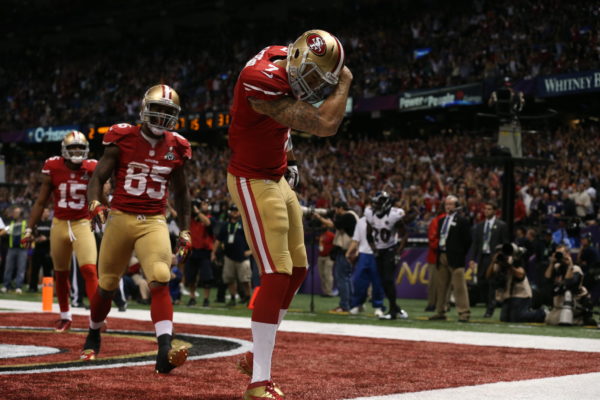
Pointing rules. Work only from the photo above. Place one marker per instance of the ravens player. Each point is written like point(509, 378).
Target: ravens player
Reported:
point(273, 95)
point(66, 177)
point(144, 161)
point(384, 224)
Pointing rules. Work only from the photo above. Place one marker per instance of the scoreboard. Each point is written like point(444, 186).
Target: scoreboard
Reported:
point(188, 125)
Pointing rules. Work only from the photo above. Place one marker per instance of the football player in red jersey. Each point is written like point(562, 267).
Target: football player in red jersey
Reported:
point(273, 95)
point(66, 178)
point(144, 161)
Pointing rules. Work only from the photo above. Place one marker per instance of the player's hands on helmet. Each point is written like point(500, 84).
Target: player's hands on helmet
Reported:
point(27, 238)
point(98, 214)
point(184, 245)
point(292, 175)
point(346, 74)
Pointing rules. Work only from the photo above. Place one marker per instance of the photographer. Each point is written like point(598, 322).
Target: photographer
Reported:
point(198, 268)
point(571, 303)
point(344, 222)
point(507, 275)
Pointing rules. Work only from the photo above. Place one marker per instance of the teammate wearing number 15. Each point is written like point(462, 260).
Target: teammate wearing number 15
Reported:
point(144, 160)
point(66, 178)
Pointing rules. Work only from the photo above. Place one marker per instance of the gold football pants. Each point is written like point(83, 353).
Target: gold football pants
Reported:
point(67, 237)
point(272, 221)
point(148, 235)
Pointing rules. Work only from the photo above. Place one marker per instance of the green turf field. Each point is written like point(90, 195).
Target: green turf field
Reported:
point(300, 310)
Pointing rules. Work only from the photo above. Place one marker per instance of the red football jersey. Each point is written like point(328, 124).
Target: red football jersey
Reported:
point(69, 187)
point(258, 143)
point(145, 167)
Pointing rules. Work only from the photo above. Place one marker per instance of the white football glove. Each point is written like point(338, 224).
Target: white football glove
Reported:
point(292, 175)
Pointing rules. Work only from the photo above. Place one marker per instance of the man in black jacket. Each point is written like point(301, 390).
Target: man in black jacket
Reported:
point(455, 241)
point(487, 235)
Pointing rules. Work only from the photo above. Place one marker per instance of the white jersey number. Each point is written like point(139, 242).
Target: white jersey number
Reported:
point(137, 182)
point(72, 195)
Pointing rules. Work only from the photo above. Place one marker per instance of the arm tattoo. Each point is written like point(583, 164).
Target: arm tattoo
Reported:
point(292, 113)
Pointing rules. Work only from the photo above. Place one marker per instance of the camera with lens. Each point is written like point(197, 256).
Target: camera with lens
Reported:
point(197, 207)
point(312, 222)
point(506, 255)
point(309, 211)
point(561, 265)
point(503, 252)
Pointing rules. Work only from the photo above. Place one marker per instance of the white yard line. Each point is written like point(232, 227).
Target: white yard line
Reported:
point(581, 387)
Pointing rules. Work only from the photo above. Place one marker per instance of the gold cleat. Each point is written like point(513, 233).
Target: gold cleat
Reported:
point(87, 355)
point(263, 390)
point(178, 356)
point(174, 357)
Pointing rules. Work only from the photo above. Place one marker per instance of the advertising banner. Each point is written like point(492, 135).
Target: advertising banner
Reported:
point(48, 133)
point(565, 84)
point(464, 95)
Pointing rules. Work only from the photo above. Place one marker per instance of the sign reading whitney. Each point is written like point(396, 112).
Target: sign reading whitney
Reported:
point(560, 85)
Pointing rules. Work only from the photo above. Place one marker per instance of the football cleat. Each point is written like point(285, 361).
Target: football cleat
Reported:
point(263, 390)
point(91, 348)
point(87, 355)
point(169, 358)
point(63, 325)
point(378, 312)
point(244, 364)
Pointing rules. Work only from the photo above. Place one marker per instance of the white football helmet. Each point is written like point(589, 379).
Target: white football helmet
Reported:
point(314, 62)
point(160, 109)
point(75, 147)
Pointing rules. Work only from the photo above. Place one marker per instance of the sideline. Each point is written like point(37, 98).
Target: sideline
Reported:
point(370, 331)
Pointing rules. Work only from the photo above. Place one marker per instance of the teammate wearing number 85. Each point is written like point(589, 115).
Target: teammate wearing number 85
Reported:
point(66, 178)
point(144, 161)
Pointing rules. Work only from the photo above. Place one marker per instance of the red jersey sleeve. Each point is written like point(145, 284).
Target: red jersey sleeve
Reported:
point(116, 133)
point(47, 166)
point(264, 83)
point(183, 146)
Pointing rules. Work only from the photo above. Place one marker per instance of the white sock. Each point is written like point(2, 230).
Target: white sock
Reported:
point(263, 338)
point(96, 325)
point(163, 327)
point(282, 313)
point(66, 315)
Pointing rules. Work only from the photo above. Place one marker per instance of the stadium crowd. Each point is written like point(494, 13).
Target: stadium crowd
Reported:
point(418, 172)
point(439, 46)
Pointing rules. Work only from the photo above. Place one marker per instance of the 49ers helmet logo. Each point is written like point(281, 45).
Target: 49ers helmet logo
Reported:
point(316, 44)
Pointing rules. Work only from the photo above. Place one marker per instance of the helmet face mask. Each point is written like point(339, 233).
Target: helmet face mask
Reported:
point(314, 63)
point(382, 203)
point(160, 109)
point(75, 147)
